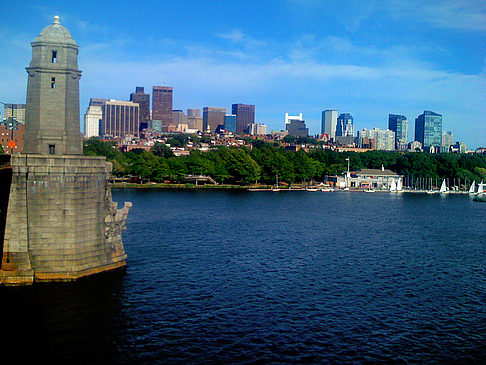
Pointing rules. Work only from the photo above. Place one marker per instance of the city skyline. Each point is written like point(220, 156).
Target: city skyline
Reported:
point(340, 57)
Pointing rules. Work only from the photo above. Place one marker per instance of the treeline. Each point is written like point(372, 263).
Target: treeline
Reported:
point(265, 161)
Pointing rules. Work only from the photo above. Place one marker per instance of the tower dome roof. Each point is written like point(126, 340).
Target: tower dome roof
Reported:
point(55, 33)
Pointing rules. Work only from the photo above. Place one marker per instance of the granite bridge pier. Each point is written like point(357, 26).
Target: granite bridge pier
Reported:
point(57, 219)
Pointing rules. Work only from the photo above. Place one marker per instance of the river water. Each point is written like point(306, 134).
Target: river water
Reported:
point(299, 277)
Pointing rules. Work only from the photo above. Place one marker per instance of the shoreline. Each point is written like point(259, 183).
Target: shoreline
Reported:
point(261, 188)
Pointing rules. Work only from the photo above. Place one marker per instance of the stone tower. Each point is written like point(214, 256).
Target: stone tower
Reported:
point(60, 221)
point(52, 115)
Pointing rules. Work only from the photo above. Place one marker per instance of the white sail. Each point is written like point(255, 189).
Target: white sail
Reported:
point(400, 185)
point(472, 188)
point(481, 187)
point(443, 187)
point(393, 186)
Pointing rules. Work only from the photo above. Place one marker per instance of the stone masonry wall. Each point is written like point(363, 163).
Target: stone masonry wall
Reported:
point(61, 221)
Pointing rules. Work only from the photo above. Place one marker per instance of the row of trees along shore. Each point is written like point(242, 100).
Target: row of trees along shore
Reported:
point(264, 161)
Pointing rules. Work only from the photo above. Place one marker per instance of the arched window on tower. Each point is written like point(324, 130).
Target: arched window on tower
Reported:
point(54, 57)
point(53, 83)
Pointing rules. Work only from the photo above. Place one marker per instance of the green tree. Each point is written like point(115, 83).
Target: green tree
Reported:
point(162, 150)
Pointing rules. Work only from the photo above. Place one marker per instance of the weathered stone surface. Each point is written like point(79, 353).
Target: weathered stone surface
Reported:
point(61, 222)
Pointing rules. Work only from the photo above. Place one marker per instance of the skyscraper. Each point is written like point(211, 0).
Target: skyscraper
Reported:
point(52, 112)
point(344, 126)
point(230, 122)
point(399, 125)
point(162, 105)
point(143, 101)
point(92, 121)
point(297, 128)
point(329, 122)
point(245, 115)
point(212, 118)
point(428, 129)
point(120, 119)
point(193, 113)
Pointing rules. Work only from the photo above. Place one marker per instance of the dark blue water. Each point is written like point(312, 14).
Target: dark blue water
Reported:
point(291, 277)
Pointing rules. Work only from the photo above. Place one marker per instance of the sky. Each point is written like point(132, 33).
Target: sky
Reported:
point(367, 58)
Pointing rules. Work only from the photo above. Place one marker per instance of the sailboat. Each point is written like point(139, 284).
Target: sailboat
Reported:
point(400, 186)
point(480, 188)
point(472, 189)
point(276, 188)
point(393, 186)
point(443, 188)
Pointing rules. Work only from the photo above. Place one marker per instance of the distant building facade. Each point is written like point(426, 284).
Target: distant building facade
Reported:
point(245, 115)
point(384, 139)
point(16, 111)
point(297, 128)
point(344, 125)
point(415, 146)
point(212, 118)
point(92, 121)
point(178, 117)
point(329, 123)
point(143, 101)
point(257, 129)
point(162, 106)
point(447, 139)
point(230, 121)
point(399, 125)
point(193, 112)
point(120, 119)
point(428, 129)
point(15, 134)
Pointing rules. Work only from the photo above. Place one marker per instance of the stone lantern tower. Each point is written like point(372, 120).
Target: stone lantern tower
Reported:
point(52, 115)
point(61, 223)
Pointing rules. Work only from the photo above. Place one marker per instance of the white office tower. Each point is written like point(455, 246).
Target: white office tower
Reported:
point(92, 120)
point(289, 118)
point(329, 123)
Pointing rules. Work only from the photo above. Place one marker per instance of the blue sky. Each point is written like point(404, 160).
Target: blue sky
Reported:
point(368, 58)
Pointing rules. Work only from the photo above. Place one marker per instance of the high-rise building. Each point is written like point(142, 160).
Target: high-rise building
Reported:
point(162, 106)
point(384, 139)
point(447, 139)
point(195, 123)
point(97, 101)
point(399, 124)
point(212, 118)
point(143, 101)
point(289, 118)
point(120, 119)
point(297, 128)
point(329, 123)
point(92, 121)
point(178, 117)
point(344, 126)
point(52, 111)
point(193, 112)
point(15, 111)
point(230, 122)
point(428, 129)
point(245, 115)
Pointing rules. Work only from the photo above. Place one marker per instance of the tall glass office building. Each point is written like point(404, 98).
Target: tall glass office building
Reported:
point(399, 125)
point(428, 129)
